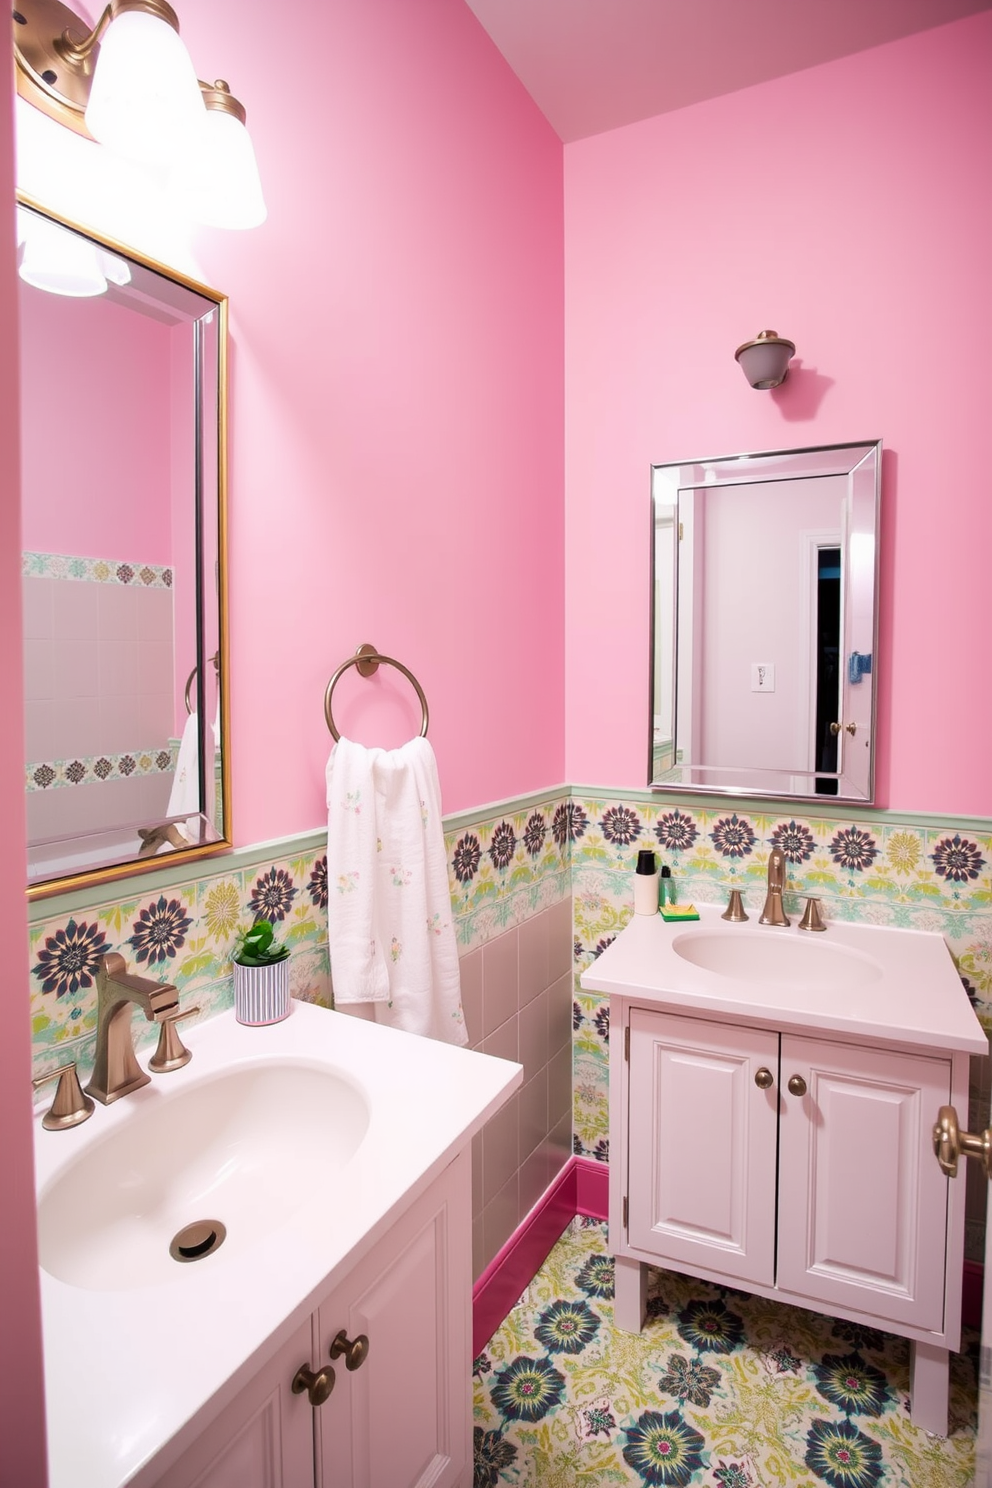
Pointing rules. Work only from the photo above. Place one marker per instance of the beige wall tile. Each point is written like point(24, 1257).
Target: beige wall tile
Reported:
point(559, 1001)
point(534, 1113)
point(533, 935)
point(470, 968)
point(533, 1027)
point(499, 981)
point(500, 1149)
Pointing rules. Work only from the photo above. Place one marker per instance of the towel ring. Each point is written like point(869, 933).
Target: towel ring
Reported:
point(367, 660)
point(189, 680)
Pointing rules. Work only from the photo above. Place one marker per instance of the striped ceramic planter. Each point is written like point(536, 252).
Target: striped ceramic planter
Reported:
point(261, 993)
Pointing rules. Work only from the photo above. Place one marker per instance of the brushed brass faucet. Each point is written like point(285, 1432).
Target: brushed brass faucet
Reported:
point(773, 912)
point(116, 1072)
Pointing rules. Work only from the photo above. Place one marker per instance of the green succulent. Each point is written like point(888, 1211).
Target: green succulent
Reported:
point(258, 947)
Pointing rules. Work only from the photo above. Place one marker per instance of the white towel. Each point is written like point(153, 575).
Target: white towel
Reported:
point(184, 798)
point(390, 931)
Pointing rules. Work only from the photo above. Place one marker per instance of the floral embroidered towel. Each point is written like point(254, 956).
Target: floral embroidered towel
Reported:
point(390, 931)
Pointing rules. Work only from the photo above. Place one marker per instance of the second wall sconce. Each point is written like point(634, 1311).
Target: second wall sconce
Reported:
point(765, 360)
point(128, 82)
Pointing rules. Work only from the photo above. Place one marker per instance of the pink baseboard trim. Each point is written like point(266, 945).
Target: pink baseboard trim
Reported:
point(580, 1188)
point(593, 1188)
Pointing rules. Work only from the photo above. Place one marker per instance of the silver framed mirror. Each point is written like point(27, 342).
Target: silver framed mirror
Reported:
point(764, 628)
point(123, 384)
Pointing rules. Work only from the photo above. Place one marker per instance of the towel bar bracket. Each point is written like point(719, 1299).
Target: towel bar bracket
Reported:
point(364, 664)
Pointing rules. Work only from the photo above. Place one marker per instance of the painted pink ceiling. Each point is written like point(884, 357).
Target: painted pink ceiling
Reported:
point(593, 65)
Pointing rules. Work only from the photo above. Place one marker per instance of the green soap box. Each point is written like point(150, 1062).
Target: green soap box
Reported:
point(678, 912)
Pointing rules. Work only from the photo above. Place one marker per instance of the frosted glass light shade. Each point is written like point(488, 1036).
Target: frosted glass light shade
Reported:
point(218, 179)
point(59, 262)
point(145, 100)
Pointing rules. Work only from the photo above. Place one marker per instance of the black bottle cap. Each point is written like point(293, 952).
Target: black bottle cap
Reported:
point(646, 861)
point(666, 872)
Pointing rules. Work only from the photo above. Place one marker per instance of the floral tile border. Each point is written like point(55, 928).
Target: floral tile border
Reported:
point(183, 933)
point(94, 570)
point(41, 775)
point(502, 868)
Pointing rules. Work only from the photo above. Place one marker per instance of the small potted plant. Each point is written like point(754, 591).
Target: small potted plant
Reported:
point(261, 976)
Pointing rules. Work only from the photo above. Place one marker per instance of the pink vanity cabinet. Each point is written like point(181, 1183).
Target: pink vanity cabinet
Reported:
point(778, 1139)
point(402, 1418)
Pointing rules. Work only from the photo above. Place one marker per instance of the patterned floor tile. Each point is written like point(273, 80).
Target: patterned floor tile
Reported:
point(721, 1389)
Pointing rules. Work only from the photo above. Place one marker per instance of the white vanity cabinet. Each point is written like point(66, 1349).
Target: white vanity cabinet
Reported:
point(402, 1418)
point(861, 1217)
point(777, 1136)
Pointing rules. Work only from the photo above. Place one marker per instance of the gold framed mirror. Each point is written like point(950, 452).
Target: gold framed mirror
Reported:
point(123, 383)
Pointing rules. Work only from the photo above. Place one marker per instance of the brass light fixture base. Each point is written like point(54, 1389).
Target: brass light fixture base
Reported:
point(46, 78)
point(56, 54)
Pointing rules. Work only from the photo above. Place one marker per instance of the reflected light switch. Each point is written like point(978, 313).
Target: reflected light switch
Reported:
point(762, 676)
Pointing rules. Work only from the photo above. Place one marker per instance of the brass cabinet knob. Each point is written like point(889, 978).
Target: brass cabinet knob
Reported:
point(763, 1078)
point(852, 728)
point(318, 1386)
point(950, 1143)
point(797, 1085)
point(355, 1351)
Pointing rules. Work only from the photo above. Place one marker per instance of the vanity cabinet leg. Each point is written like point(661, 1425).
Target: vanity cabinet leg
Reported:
point(928, 1384)
point(630, 1294)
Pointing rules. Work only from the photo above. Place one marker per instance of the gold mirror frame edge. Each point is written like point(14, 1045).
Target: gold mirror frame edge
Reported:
point(93, 877)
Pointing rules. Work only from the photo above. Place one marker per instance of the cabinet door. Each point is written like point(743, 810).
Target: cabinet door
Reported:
point(263, 1439)
point(701, 1144)
point(404, 1416)
point(863, 1210)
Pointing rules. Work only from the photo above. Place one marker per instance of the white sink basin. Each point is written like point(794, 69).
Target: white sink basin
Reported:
point(241, 1146)
point(776, 957)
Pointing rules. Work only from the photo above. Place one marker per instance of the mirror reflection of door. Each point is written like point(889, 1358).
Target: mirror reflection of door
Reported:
point(827, 653)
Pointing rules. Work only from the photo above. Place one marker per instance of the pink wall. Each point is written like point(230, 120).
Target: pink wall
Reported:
point(396, 467)
point(396, 460)
point(22, 1410)
point(90, 365)
point(849, 208)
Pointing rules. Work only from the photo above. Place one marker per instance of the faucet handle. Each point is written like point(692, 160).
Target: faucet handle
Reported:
point(171, 1053)
point(70, 1106)
point(735, 911)
point(812, 918)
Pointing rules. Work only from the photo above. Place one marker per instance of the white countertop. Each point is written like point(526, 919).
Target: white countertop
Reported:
point(126, 1370)
point(916, 998)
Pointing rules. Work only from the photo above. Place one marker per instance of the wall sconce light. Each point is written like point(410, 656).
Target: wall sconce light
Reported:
point(765, 360)
point(129, 84)
point(62, 262)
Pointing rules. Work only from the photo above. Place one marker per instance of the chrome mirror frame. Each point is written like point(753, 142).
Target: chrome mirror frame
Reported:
point(675, 608)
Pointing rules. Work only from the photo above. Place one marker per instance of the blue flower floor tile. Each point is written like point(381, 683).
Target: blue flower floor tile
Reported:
point(721, 1389)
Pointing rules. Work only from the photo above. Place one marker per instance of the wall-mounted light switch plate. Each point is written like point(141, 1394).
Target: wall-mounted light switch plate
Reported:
point(762, 676)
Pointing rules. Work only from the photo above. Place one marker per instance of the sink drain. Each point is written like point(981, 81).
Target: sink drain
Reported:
point(196, 1240)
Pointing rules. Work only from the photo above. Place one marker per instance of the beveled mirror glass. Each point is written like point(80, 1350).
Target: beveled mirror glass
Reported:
point(764, 623)
point(123, 398)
